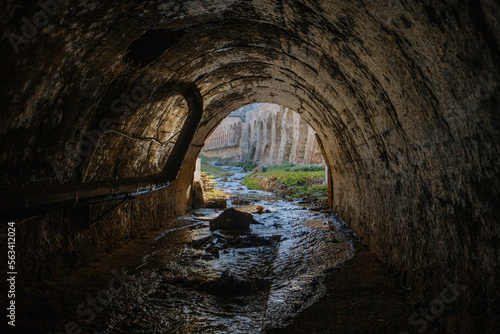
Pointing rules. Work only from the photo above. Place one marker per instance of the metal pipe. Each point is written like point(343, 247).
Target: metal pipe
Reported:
point(36, 200)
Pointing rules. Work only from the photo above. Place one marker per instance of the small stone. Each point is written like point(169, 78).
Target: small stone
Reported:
point(239, 201)
point(213, 251)
point(219, 203)
point(258, 169)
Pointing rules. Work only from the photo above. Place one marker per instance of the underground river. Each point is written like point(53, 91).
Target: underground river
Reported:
point(188, 279)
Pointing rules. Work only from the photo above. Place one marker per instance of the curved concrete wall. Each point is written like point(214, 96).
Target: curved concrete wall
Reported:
point(403, 97)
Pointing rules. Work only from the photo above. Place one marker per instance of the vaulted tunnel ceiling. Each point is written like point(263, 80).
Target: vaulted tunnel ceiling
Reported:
point(403, 96)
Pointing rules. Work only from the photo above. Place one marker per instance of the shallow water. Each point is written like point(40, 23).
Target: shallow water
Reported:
point(176, 288)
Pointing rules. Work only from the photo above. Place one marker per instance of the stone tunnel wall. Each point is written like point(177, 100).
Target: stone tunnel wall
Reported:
point(403, 96)
point(264, 134)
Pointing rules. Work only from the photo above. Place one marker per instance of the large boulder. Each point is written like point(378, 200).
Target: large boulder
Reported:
point(233, 220)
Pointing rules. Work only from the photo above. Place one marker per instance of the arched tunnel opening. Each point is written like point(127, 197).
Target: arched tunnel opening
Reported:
point(260, 138)
point(106, 107)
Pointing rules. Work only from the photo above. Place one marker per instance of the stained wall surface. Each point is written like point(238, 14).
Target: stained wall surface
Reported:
point(403, 95)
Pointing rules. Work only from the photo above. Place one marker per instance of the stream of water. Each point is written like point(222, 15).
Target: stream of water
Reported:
point(194, 280)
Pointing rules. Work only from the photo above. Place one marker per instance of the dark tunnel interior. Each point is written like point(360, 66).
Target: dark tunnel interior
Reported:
point(108, 101)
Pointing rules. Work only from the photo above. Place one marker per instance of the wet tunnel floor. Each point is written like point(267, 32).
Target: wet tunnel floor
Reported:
point(187, 279)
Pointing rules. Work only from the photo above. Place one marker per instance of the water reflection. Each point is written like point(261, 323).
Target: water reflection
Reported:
point(235, 287)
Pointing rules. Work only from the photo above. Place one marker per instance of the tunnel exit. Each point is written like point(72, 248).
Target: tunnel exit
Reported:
point(275, 144)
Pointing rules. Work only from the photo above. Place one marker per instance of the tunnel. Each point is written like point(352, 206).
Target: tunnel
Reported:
point(403, 96)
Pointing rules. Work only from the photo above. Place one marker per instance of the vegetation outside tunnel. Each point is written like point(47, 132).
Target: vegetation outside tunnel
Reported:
point(294, 181)
point(211, 169)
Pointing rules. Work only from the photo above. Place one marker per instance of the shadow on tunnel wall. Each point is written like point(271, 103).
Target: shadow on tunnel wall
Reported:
point(403, 96)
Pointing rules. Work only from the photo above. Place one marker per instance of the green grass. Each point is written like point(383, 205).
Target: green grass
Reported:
point(290, 179)
point(252, 183)
point(300, 181)
point(288, 167)
point(317, 190)
point(215, 171)
point(210, 169)
point(283, 167)
point(206, 158)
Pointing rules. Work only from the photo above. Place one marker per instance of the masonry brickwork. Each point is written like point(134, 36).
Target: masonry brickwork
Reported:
point(266, 134)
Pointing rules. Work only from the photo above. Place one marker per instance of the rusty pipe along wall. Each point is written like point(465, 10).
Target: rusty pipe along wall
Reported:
point(18, 204)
